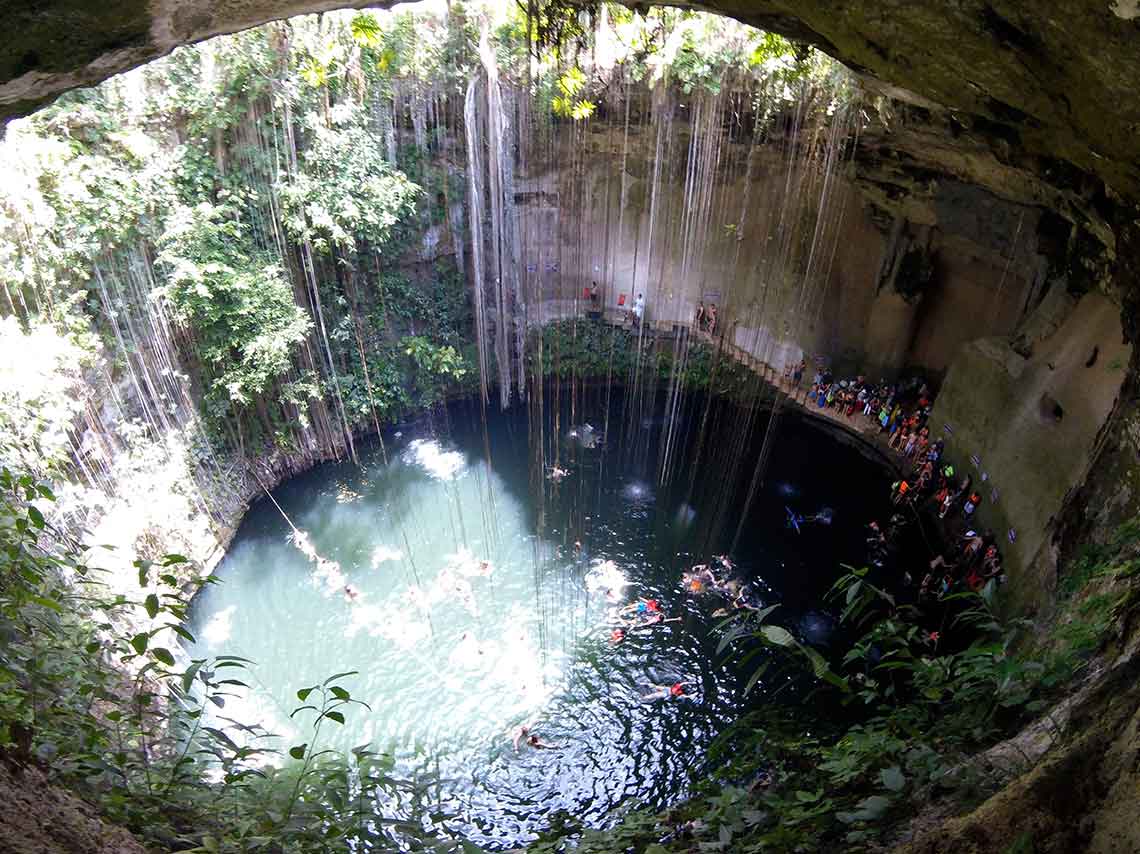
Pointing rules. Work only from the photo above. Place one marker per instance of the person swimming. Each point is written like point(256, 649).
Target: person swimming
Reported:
point(698, 578)
point(665, 692)
point(641, 607)
point(525, 735)
point(824, 516)
point(794, 519)
point(351, 593)
point(653, 619)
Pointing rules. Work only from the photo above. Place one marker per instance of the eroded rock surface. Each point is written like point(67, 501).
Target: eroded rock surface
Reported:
point(40, 818)
point(1051, 85)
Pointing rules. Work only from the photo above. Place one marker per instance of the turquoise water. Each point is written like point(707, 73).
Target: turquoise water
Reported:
point(471, 611)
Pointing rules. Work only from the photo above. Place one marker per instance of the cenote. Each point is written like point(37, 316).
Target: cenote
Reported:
point(451, 655)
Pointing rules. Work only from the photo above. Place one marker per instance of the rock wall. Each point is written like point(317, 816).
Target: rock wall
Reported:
point(1034, 424)
point(40, 817)
point(1049, 88)
point(868, 307)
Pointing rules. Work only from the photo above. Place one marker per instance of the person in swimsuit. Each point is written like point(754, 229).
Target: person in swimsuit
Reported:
point(665, 692)
point(641, 607)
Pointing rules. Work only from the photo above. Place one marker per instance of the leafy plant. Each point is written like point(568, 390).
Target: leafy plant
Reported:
point(237, 301)
point(96, 690)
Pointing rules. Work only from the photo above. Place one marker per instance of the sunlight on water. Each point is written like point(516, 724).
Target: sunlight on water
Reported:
point(432, 458)
point(426, 575)
point(444, 630)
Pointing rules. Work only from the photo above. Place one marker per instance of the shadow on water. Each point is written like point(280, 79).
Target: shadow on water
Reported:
point(451, 659)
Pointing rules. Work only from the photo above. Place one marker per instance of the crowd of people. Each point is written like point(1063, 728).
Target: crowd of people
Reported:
point(901, 411)
point(719, 578)
point(929, 481)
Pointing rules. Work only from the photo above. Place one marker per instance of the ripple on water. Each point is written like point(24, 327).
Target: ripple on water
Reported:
point(463, 625)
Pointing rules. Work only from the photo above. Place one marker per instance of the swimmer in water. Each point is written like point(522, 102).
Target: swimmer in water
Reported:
point(537, 743)
point(794, 520)
point(518, 734)
point(699, 577)
point(350, 593)
point(641, 607)
point(665, 692)
point(617, 636)
point(653, 619)
point(741, 603)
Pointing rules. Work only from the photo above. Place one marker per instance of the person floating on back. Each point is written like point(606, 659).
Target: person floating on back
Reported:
point(665, 692)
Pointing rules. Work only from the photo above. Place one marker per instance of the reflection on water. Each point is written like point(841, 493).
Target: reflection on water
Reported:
point(427, 575)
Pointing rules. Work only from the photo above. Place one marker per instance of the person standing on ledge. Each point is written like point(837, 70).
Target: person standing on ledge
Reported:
point(638, 309)
point(712, 318)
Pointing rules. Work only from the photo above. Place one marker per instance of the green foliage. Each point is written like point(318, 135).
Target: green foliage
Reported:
point(236, 299)
point(1099, 591)
point(345, 196)
point(436, 367)
point(366, 30)
point(596, 350)
point(122, 716)
point(567, 104)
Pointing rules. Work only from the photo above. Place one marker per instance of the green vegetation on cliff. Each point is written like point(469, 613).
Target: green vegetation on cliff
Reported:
point(263, 237)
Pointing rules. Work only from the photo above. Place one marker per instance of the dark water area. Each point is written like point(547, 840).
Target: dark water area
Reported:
point(453, 657)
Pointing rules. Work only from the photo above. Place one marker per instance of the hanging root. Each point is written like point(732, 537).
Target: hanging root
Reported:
point(328, 571)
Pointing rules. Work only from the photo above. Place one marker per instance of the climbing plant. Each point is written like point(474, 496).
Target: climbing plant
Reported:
point(235, 298)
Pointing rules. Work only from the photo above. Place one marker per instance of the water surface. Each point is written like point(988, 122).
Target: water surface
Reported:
point(453, 653)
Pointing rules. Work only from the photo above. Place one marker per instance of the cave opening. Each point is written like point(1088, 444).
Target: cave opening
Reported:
point(619, 404)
